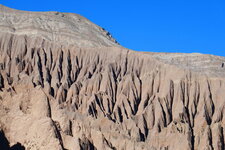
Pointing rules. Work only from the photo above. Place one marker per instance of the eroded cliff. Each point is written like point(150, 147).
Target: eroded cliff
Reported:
point(57, 95)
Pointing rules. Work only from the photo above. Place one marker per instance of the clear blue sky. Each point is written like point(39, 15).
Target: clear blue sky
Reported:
point(149, 25)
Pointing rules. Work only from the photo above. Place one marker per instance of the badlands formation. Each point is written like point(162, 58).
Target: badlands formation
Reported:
point(66, 84)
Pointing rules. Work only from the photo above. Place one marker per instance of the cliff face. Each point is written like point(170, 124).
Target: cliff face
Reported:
point(99, 96)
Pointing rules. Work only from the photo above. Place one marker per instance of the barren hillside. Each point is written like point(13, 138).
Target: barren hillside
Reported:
point(66, 84)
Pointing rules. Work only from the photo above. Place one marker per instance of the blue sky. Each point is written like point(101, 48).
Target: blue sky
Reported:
point(149, 25)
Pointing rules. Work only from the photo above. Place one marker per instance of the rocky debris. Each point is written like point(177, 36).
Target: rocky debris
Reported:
point(59, 96)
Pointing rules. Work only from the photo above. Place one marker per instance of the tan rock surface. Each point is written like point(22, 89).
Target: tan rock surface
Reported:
point(96, 95)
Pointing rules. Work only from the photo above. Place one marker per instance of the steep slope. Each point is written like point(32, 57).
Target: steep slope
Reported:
point(57, 95)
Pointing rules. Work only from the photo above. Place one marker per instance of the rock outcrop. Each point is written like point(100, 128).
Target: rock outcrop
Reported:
point(66, 84)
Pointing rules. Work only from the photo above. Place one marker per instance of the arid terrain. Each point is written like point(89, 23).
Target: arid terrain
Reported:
point(66, 84)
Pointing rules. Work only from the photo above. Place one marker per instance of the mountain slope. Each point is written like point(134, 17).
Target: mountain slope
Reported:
point(65, 28)
point(98, 95)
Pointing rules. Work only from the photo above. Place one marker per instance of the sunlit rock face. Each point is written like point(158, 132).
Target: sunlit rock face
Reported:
point(66, 84)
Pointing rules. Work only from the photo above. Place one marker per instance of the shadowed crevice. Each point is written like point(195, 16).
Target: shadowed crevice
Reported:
point(5, 145)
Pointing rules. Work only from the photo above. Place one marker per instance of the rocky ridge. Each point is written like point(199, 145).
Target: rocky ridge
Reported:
point(97, 95)
point(63, 28)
